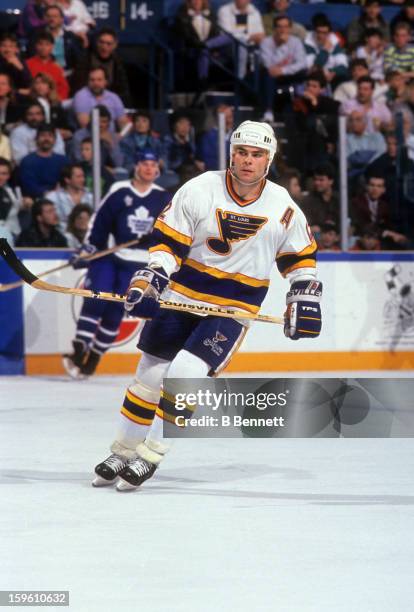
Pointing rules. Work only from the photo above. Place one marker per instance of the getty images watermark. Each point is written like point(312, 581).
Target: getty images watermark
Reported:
point(288, 407)
point(229, 401)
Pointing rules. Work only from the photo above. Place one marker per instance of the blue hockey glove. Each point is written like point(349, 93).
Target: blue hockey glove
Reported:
point(303, 314)
point(143, 292)
point(78, 260)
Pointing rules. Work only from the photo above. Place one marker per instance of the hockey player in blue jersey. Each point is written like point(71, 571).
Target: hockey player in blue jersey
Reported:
point(215, 245)
point(128, 211)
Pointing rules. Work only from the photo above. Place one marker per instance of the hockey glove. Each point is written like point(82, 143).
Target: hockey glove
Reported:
point(143, 292)
point(303, 314)
point(78, 260)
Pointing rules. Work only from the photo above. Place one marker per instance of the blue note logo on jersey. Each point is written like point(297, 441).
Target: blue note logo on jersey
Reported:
point(213, 343)
point(233, 227)
point(140, 223)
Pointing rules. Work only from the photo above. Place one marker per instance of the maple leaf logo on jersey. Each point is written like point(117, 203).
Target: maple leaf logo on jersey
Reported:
point(233, 227)
point(140, 223)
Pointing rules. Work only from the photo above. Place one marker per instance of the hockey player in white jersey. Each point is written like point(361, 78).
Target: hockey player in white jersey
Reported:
point(214, 244)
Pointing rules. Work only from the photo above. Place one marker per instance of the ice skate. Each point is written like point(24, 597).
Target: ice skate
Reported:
point(90, 364)
point(73, 362)
point(134, 474)
point(108, 471)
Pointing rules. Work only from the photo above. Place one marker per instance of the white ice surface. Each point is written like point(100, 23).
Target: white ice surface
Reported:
point(225, 525)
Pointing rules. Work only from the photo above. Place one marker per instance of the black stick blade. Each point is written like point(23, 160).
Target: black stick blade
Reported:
point(14, 262)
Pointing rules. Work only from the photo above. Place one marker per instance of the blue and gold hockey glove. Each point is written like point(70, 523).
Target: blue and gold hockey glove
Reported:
point(303, 314)
point(78, 259)
point(143, 292)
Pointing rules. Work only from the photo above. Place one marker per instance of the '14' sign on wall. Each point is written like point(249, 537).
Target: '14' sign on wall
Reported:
point(140, 11)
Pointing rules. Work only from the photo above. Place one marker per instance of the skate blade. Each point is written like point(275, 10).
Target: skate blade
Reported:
point(102, 482)
point(123, 485)
point(73, 371)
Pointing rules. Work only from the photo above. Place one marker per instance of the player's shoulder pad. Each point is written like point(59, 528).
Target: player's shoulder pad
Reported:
point(282, 196)
point(115, 187)
point(203, 183)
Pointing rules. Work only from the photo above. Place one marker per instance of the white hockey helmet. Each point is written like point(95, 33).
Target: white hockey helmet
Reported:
point(255, 134)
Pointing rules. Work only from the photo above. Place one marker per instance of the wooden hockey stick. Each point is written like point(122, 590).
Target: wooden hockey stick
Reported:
point(114, 249)
point(20, 269)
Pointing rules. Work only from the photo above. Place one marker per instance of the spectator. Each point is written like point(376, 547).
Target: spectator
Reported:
point(39, 172)
point(78, 19)
point(67, 48)
point(71, 192)
point(11, 104)
point(78, 223)
point(322, 203)
point(290, 180)
point(362, 146)
point(43, 91)
point(323, 51)
point(405, 15)
point(96, 93)
point(370, 18)
point(386, 165)
point(316, 121)
point(348, 89)
point(42, 62)
point(180, 148)
point(328, 239)
point(377, 114)
point(243, 21)
point(110, 150)
point(370, 206)
point(373, 52)
point(400, 54)
point(12, 64)
point(369, 239)
point(5, 150)
point(277, 8)
point(141, 137)
point(406, 107)
point(42, 233)
point(397, 89)
point(31, 17)
point(9, 202)
point(23, 137)
point(284, 58)
point(207, 146)
point(86, 158)
point(104, 55)
point(197, 30)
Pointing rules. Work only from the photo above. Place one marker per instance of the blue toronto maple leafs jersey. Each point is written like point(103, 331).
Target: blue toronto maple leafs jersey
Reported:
point(125, 214)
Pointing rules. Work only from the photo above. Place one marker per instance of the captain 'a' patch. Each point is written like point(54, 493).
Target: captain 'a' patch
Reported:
point(233, 227)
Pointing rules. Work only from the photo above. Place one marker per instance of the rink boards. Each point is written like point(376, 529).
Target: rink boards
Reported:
point(368, 320)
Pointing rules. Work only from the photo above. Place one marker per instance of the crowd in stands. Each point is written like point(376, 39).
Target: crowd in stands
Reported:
point(59, 66)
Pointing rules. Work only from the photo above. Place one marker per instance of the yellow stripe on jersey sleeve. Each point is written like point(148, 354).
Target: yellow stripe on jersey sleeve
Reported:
point(304, 263)
point(166, 249)
point(172, 233)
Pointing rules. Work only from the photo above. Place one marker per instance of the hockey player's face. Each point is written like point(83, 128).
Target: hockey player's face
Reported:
point(147, 171)
point(249, 163)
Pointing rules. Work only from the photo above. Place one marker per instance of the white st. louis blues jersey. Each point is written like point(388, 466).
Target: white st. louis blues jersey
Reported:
point(220, 249)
